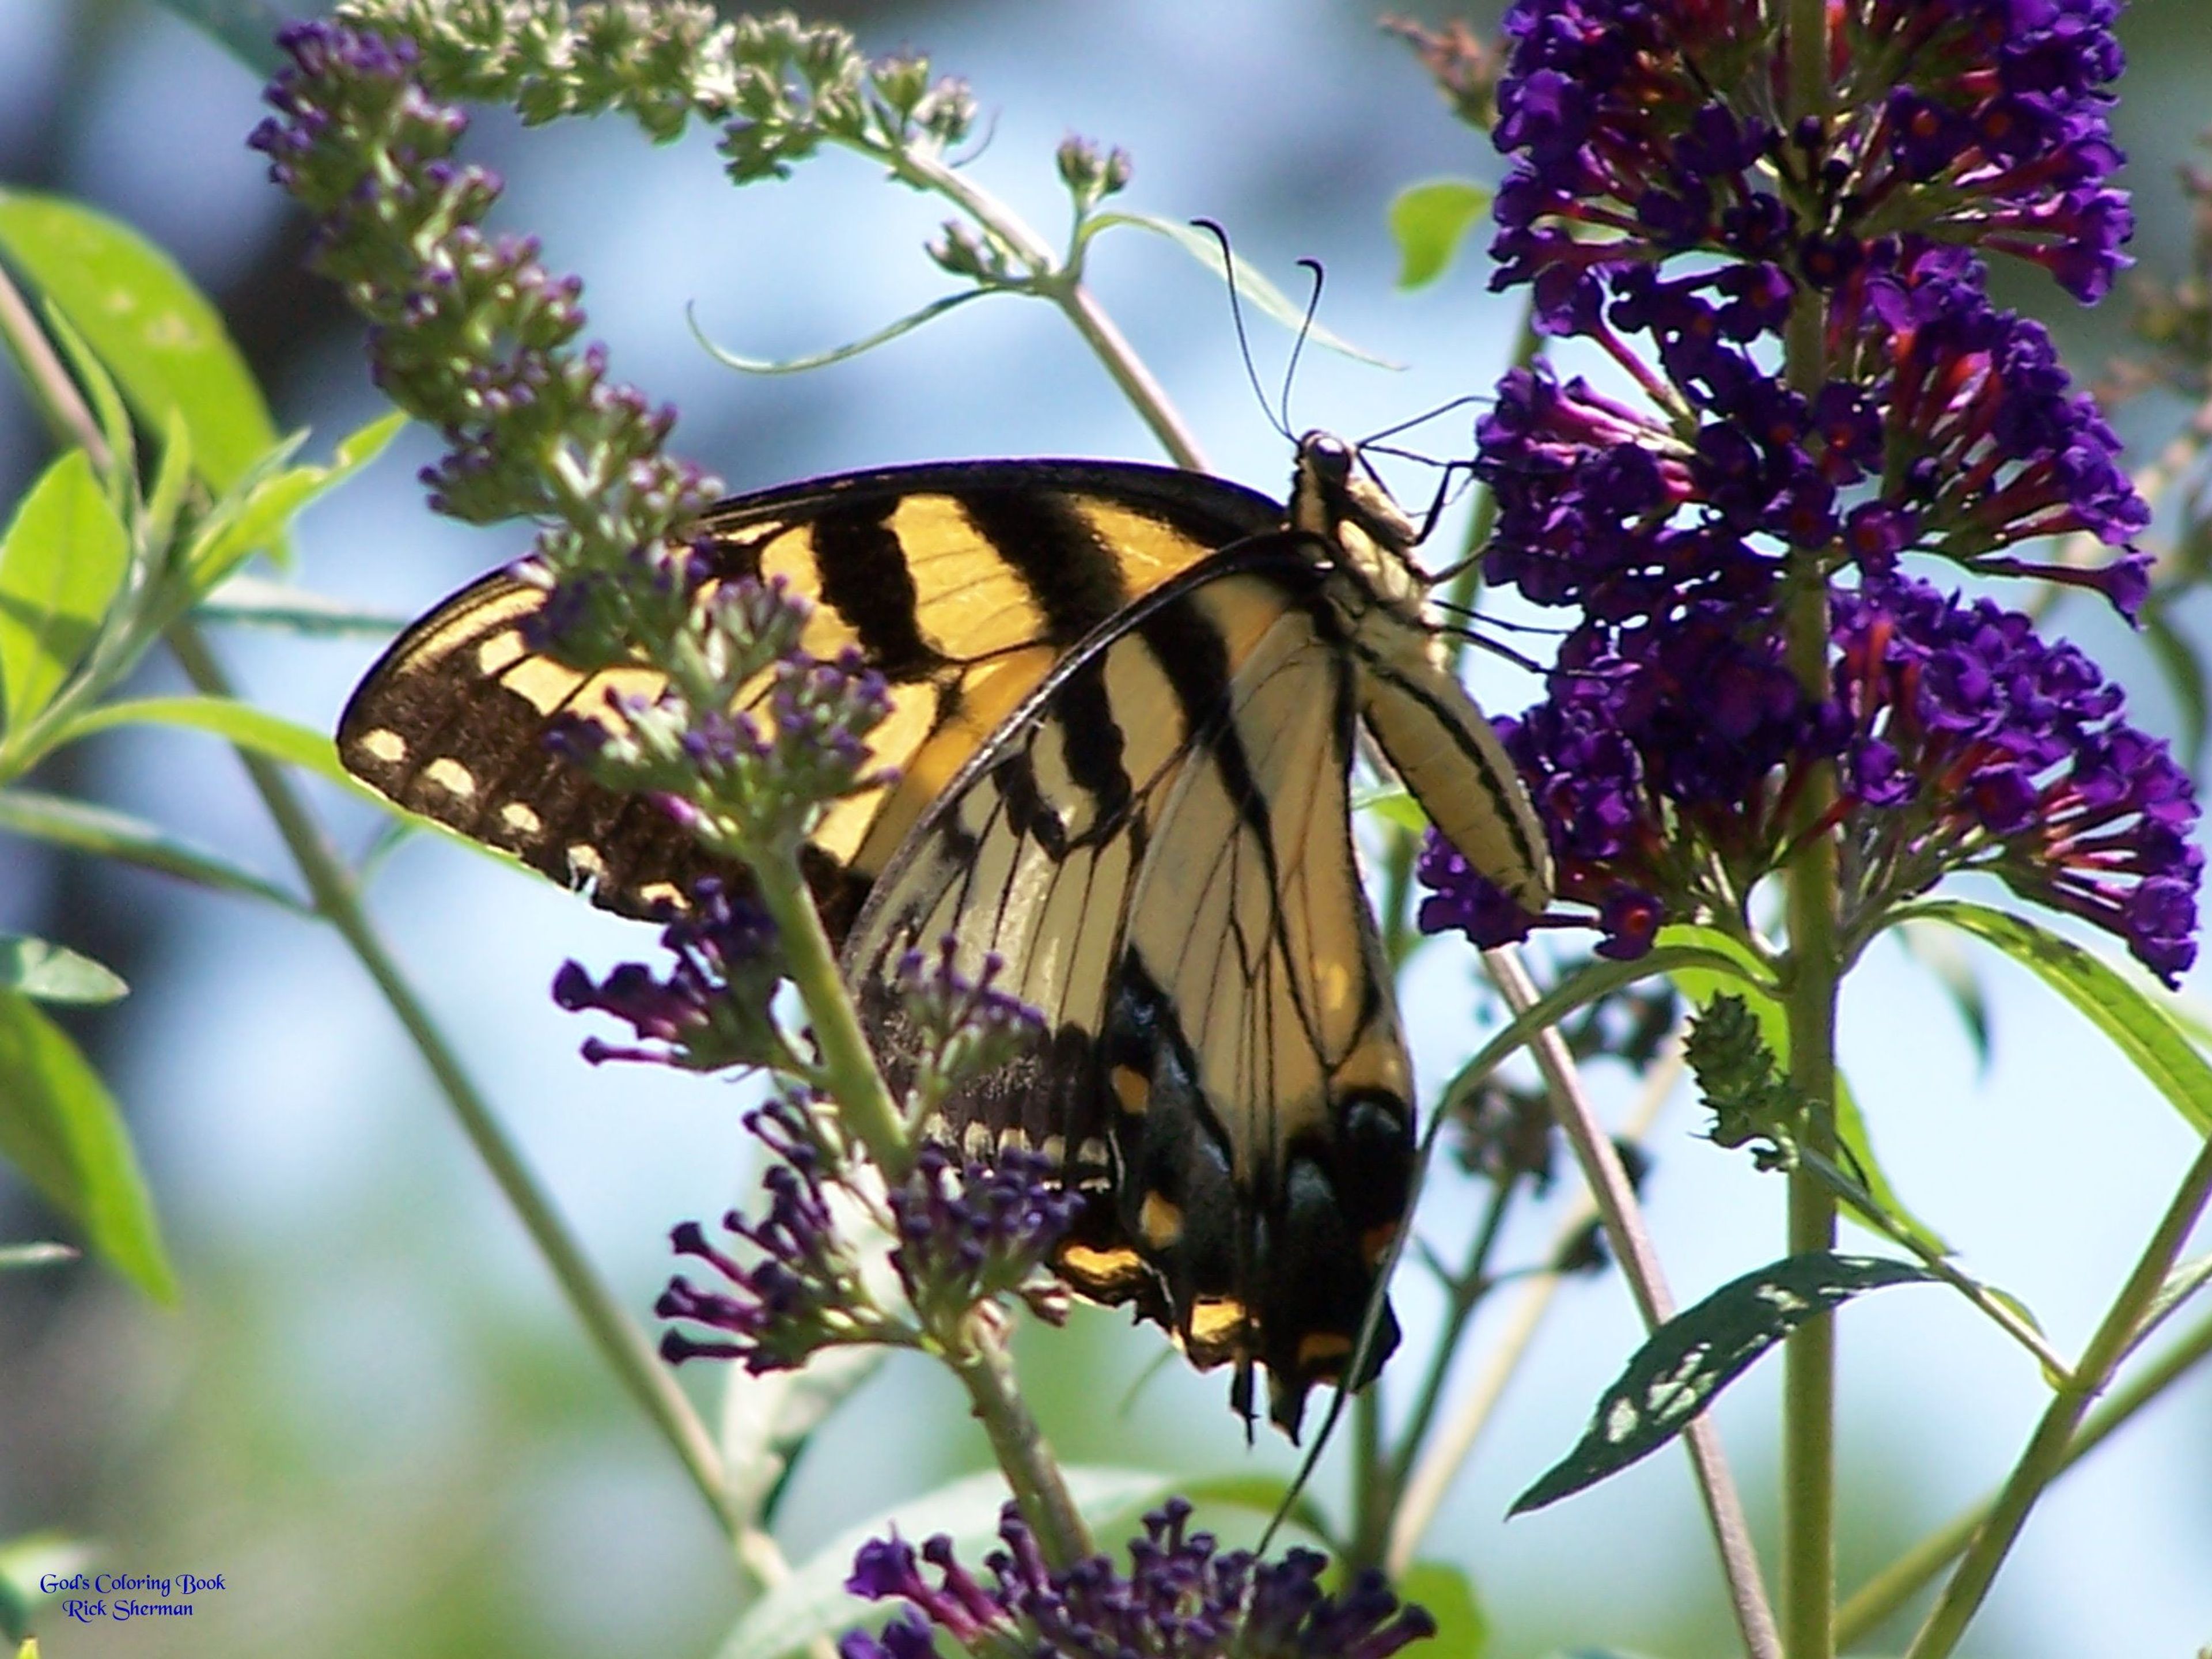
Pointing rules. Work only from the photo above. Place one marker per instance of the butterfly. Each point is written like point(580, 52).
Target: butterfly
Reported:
point(1126, 701)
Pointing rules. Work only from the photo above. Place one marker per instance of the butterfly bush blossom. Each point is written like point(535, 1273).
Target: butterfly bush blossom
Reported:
point(1182, 1595)
point(1657, 197)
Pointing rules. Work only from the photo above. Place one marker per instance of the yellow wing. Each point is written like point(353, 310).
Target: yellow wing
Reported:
point(962, 583)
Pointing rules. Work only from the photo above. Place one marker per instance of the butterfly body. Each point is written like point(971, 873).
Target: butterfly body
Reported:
point(1126, 701)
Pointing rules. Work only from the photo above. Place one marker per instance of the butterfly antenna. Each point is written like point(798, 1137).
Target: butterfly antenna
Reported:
point(1422, 419)
point(1299, 346)
point(1236, 316)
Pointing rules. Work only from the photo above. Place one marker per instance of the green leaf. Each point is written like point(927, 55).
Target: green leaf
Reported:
point(256, 602)
point(240, 723)
point(175, 471)
point(1449, 1594)
point(766, 1419)
point(846, 353)
point(2186, 1280)
point(63, 562)
point(108, 406)
point(1580, 989)
point(109, 834)
point(2138, 1026)
point(1429, 222)
point(1255, 290)
point(46, 972)
point(156, 332)
point(1700, 1350)
point(59, 1126)
point(1852, 1135)
point(258, 515)
point(813, 1602)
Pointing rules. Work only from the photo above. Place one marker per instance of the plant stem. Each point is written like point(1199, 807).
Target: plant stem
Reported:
point(986, 1370)
point(848, 1073)
point(1639, 1264)
point(1063, 287)
point(1888, 1589)
point(1421, 1483)
point(1808, 1386)
point(2051, 1447)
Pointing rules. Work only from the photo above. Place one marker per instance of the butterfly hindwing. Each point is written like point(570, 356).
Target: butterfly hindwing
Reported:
point(1156, 846)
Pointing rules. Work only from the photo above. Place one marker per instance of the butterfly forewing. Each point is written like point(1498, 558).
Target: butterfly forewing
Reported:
point(962, 583)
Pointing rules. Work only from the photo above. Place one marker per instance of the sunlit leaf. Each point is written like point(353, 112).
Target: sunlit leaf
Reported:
point(59, 1126)
point(257, 519)
point(63, 558)
point(154, 331)
point(1429, 222)
point(238, 723)
point(2138, 1026)
point(46, 972)
point(1688, 1360)
point(109, 834)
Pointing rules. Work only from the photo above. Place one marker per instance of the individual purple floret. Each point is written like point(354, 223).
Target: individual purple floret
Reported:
point(1181, 1597)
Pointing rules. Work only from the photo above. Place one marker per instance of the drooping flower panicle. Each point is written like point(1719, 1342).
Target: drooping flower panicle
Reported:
point(1663, 207)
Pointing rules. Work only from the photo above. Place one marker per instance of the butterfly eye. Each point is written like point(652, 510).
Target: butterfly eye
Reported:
point(1328, 455)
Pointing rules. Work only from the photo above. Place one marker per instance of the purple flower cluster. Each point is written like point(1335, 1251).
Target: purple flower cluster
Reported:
point(1948, 428)
point(712, 1010)
point(971, 1231)
point(1976, 743)
point(469, 331)
point(1684, 515)
point(952, 1027)
point(1644, 128)
point(1181, 1597)
point(961, 1234)
point(1669, 763)
point(803, 1290)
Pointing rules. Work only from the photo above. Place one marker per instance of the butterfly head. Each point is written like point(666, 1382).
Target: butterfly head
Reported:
point(1336, 497)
